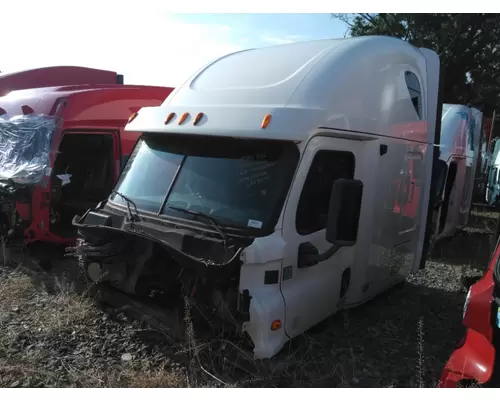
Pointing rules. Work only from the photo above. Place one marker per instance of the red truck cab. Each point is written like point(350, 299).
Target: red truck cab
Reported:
point(62, 147)
point(474, 360)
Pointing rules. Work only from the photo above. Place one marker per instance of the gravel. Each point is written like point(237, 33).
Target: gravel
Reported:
point(403, 338)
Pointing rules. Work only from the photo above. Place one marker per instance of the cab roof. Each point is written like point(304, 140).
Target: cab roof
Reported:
point(91, 103)
point(355, 84)
point(55, 76)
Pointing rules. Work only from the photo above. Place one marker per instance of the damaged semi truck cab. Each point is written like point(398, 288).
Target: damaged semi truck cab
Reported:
point(62, 147)
point(459, 152)
point(260, 191)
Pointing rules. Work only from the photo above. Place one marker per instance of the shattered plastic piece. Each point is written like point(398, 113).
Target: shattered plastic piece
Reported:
point(65, 179)
point(25, 145)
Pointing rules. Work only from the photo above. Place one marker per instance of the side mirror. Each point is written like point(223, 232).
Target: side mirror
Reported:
point(343, 213)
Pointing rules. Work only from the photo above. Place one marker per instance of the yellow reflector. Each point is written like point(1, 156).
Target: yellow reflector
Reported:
point(169, 118)
point(183, 118)
point(276, 325)
point(132, 117)
point(266, 121)
point(198, 118)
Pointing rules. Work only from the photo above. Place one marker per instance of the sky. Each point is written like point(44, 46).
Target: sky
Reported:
point(145, 43)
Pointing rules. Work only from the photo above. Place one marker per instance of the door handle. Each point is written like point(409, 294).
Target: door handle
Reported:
point(412, 191)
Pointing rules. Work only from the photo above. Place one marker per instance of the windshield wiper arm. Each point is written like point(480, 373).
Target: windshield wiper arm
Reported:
point(131, 217)
point(213, 221)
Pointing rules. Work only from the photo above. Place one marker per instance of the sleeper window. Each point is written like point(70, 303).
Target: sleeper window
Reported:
point(327, 166)
point(415, 91)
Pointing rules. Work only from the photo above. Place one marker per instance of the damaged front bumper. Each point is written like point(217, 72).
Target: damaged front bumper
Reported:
point(114, 249)
point(184, 263)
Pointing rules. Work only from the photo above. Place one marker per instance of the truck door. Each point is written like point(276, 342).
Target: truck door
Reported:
point(312, 293)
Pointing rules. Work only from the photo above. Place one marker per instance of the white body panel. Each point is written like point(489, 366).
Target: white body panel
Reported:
point(344, 97)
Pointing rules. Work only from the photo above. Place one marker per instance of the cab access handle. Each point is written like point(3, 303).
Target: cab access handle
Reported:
point(412, 192)
point(342, 223)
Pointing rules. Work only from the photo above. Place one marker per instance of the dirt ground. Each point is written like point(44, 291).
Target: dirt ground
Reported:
point(52, 337)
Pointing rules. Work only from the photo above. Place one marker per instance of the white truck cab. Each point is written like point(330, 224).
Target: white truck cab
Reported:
point(459, 152)
point(285, 183)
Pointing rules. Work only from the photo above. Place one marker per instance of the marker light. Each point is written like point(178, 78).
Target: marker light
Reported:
point(183, 118)
point(169, 118)
point(276, 325)
point(198, 118)
point(132, 117)
point(266, 121)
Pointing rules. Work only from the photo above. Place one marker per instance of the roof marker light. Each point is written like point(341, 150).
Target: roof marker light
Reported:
point(198, 118)
point(265, 121)
point(132, 117)
point(183, 118)
point(169, 118)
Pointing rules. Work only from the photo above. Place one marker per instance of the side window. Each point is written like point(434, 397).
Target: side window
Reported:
point(414, 89)
point(327, 166)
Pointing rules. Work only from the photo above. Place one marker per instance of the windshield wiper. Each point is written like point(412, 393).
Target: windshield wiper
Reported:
point(131, 217)
point(213, 221)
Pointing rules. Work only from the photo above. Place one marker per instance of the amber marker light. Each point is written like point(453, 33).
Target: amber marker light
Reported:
point(266, 121)
point(132, 117)
point(276, 325)
point(198, 118)
point(169, 118)
point(183, 118)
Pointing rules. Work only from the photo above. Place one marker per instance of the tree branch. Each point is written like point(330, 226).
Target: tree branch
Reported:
point(344, 18)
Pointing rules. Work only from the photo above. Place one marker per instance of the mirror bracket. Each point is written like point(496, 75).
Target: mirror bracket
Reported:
point(309, 255)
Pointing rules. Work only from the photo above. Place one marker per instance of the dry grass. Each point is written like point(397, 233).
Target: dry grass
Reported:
point(487, 213)
point(47, 314)
point(46, 338)
point(23, 373)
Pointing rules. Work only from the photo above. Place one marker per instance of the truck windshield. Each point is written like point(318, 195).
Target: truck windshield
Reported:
point(239, 182)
